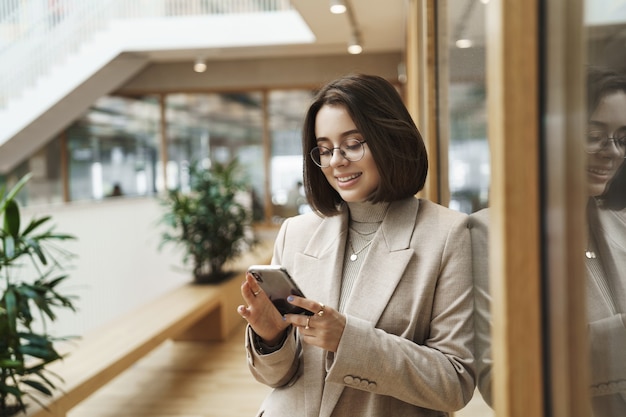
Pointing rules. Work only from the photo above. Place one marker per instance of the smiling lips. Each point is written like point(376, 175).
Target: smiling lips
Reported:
point(348, 178)
point(602, 172)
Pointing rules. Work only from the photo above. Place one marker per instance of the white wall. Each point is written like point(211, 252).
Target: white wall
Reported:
point(119, 265)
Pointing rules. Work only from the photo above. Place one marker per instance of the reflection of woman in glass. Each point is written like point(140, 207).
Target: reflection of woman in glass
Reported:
point(605, 255)
point(386, 275)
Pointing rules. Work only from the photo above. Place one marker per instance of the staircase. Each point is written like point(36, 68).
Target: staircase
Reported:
point(58, 56)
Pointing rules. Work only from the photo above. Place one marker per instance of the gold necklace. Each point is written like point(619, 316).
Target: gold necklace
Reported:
point(355, 254)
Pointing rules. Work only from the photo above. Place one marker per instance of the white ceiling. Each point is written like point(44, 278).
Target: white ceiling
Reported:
point(381, 24)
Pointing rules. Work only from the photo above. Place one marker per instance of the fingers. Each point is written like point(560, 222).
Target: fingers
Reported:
point(314, 307)
point(250, 289)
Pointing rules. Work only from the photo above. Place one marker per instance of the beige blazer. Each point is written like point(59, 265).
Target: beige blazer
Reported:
point(407, 346)
point(606, 306)
point(479, 232)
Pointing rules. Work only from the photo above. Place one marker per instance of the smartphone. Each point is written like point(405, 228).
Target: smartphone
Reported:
point(278, 285)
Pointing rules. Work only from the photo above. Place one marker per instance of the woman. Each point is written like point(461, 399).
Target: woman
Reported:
point(387, 276)
point(605, 254)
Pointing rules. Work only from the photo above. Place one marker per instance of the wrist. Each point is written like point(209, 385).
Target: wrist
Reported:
point(265, 346)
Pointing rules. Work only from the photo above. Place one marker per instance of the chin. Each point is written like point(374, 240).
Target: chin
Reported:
point(596, 190)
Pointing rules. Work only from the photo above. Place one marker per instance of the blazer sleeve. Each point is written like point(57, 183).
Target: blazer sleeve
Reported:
point(281, 367)
point(607, 334)
point(479, 232)
point(437, 374)
point(608, 355)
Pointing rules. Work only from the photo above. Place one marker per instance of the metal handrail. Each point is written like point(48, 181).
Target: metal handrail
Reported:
point(36, 35)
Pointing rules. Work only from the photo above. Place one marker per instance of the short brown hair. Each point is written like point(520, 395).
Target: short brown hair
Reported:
point(380, 115)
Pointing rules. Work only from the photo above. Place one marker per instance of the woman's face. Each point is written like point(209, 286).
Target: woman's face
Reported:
point(609, 118)
point(354, 181)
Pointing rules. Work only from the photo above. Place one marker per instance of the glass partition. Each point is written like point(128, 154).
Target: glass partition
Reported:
point(466, 121)
point(113, 149)
point(217, 127)
point(605, 247)
point(286, 118)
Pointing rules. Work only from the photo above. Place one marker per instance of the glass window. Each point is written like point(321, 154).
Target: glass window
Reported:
point(286, 117)
point(113, 149)
point(466, 122)
point(219, 127)
point(605, 248)
point(45, 185)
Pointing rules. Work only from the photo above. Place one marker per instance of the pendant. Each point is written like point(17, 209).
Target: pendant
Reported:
point(353, 257)
point(590, 254)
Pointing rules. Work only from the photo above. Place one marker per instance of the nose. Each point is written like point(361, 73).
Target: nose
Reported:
point(611, 149)
point(337, 158)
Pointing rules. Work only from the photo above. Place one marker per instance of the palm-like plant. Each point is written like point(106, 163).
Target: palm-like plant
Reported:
point(209, 221)
point(24, 351)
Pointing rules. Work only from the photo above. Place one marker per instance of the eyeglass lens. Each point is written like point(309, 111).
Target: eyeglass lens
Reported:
point(350, 149)
point(597, 141)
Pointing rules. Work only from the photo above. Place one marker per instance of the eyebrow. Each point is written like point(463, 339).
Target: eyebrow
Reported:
point(343, 135)
point(602, 125)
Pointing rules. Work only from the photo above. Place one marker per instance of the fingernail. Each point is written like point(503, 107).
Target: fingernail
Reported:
point(290, 298)
point(284, 318)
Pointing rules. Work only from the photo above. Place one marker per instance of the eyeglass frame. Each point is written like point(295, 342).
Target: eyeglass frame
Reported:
point(604, 142)
point(332, 152)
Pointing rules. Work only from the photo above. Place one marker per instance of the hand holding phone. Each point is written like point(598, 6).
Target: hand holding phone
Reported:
point(278, 285)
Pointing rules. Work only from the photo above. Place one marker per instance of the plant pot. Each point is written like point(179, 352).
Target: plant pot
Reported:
point(213, 278)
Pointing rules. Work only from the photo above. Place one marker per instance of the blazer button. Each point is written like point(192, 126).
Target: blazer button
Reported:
point(348, 379)
point(372, 386)
point(364, 383)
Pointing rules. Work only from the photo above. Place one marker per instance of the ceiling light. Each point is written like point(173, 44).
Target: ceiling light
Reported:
point(337, 6)
point(199, 65)
point(354, 47)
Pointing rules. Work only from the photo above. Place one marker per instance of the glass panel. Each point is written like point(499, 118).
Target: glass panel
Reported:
point(286, 118)
point(463, 129)
point(219, 127)
point(468, 158)
point(605, 252)
point(45, 185)
point(113, 149)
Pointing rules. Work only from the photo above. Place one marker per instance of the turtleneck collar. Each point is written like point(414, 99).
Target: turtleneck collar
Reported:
point(367, 212)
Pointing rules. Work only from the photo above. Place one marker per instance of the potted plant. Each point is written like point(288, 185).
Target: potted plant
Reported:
point(31, 270)
point(209, 221)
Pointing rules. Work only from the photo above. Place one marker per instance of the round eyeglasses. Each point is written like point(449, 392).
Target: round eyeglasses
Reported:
point(351, 149)
point(598, 141)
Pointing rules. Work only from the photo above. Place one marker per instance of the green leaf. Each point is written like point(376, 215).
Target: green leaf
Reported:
point(9, 247)
point(14, 191)
point(35, 223)
point(12, 390)
point(12, 219)
point(11, 363)
point(10, 302)
point(45, 353)
point(38, 386)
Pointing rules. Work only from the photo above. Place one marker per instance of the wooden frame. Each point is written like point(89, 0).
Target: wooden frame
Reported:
point(422, 86)
point(515, 278)
point(564, 182)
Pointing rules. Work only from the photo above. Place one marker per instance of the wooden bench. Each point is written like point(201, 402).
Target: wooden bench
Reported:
point(190, 312)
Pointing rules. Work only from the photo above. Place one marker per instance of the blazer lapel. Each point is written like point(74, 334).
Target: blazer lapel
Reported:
point(613, 252)
point(385, 263)
point(384, 266)
point(321, 264)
